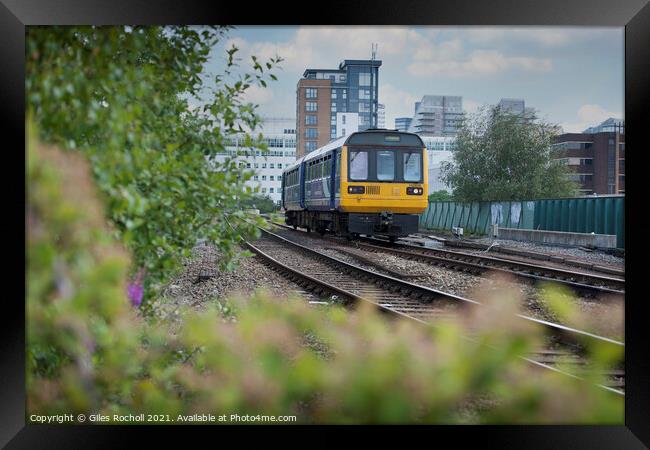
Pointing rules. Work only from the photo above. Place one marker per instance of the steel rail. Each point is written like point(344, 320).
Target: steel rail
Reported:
point(353, 298)
point(461, 261)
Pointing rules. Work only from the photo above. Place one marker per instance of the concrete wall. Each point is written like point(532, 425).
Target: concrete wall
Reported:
point(558, 237)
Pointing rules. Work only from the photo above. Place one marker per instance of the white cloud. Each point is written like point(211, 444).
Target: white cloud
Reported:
point(546, 37)
point(398, 103)
point(258, 95)
point(426, 50)
point(589, 116)
point(477, 63)
point(321, 46)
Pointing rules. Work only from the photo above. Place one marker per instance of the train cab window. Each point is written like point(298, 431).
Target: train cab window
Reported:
point(412, 166)
point(358, 165)
point(386, 165)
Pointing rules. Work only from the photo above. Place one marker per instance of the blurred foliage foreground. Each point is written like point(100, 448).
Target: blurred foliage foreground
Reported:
point(89, 351)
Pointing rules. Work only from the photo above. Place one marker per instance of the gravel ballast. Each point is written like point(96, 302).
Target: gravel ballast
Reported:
point(185, 290)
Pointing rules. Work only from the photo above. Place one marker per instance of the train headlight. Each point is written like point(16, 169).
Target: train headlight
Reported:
point(356, 189)
point(414, 191)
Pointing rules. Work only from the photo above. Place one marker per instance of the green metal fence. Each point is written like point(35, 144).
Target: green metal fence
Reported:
point(601, 215)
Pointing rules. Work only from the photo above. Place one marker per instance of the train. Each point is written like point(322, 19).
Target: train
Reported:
point(372, 182)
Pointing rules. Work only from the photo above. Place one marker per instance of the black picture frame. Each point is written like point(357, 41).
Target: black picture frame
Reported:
point(634, 15)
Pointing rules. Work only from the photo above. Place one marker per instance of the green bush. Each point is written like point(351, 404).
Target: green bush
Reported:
point(90, 352)
point(263, 203)
point(440, 196)
point(126, 97)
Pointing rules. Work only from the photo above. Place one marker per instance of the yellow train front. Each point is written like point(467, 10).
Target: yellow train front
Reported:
point(371, 182)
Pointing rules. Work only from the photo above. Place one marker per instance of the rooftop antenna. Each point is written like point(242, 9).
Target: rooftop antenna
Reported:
point(373, 50)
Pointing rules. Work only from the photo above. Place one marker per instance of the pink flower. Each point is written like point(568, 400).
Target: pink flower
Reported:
point(135, 292)
point(135, 289)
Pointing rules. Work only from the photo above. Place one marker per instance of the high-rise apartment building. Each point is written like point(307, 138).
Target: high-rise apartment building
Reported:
point(437, 115)
point(346, 123)
point(322, 93)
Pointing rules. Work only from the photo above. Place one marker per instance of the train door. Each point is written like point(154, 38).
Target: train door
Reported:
point(333, 178)
point(301, 171)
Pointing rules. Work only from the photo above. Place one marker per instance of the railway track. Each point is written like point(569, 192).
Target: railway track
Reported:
point(514, 253)
point(323, 274)
point(586, 283)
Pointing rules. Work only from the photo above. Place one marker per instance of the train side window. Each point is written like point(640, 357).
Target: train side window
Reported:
point(412, 166)
point(358, 165)
point(386, 165)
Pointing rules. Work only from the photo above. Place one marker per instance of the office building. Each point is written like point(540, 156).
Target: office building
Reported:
point(280, 137)
point(597, 160)
point(516, 106)
point(437, 115)
point(322, 93)
point(439, 149)
point(402, 123)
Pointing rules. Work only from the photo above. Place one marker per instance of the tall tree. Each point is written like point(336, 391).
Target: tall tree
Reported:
point(502, 156)
point(126, 97)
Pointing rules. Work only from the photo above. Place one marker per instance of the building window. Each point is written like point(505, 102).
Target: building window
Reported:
point(358, 165)
point(263, 165)
point(311, 93)
point(257, 165)
point(255, 178)
point(263, 190)
point(334, 93)
point(412, 166)
point(364, 107)
point(333, 107)
point(310, 146)
point(342, 79)
point(364, 79)
point(271, 190)
point(364, 94)
point(271, 178)
point(311, 106)
point(345, 94)
point(271, 166)
point(263, 177)
point(343, 119)
point(343, 132)
point(279, 177)
point(279, 165)
point(248, 165)
point(333, 120)
point(311, 133)
point(311, 119)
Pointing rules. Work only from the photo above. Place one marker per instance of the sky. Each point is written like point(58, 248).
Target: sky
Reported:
point(572, 76)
